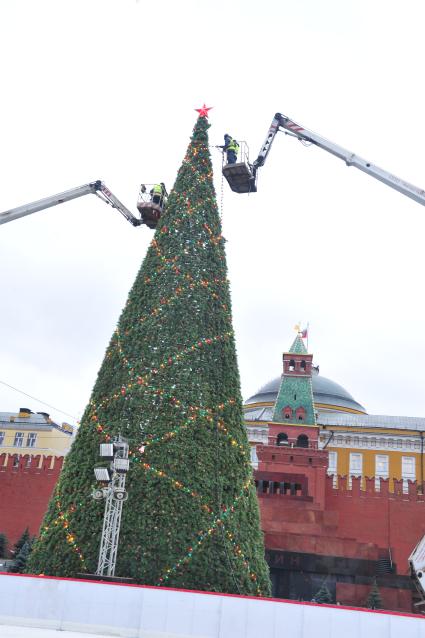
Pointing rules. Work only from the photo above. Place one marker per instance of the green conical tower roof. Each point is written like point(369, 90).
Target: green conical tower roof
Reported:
point(294, 404)
point(298, 346)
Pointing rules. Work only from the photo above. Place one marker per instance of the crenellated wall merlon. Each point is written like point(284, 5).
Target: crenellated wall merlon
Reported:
point(371, 487)
point(30, 464)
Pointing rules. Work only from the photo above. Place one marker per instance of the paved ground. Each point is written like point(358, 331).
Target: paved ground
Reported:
point(7, 631)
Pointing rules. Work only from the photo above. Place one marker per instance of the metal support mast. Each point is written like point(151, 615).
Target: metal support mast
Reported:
point(115, 495)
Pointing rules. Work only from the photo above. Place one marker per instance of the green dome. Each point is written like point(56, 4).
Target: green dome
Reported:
point(325, 393)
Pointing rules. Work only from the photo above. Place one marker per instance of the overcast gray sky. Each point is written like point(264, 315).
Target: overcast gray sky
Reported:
point(106, 89)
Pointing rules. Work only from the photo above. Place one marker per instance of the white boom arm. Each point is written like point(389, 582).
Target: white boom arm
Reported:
point(417, 568)
point(98, 188)
point(351, 159)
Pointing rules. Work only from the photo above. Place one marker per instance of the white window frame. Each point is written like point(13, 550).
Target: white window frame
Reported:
point(383, 470)
point(19, 439)
point(407, 474)
point(333, 467)
point(31, 439)
point(254, 457)
point(355, 471)
point(333, 463)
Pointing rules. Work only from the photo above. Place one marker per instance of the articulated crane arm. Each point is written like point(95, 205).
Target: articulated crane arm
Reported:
point(351, 159)
point(98, 188)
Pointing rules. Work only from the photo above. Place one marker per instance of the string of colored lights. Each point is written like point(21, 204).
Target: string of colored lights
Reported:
point(167, 361)
point(143, 380)
point(171, 261)
point(202, 536)
point(217, 522)
point(201, 411)
point(147, 379)
point(164, 302)
point(161, 474)
point(176, 484)
point(62, 519)
point(240, 555)
point(167, 436)
point(185, 425)
point(197, 411)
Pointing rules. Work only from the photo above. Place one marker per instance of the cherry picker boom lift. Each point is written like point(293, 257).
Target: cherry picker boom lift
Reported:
point(242, 177)
point(98, 188)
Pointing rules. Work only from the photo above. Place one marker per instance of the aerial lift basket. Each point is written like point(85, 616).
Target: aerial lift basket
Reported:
point(241, 176)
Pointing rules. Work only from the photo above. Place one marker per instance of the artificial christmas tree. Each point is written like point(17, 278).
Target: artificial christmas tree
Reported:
point(169, 384)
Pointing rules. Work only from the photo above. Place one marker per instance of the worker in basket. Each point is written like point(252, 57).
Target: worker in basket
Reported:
point(231, 147)
point(158, 194)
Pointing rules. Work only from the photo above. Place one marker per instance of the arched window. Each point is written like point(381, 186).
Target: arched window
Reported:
point(291, 365)
point(300, 414)
point(302, 440)
point(287, 412)
point(282, 439)
point(303, 365)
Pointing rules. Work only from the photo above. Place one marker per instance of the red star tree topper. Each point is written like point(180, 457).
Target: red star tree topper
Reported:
point(203, 111)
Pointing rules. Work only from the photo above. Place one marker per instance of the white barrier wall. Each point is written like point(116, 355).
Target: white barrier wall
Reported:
point(150, 612)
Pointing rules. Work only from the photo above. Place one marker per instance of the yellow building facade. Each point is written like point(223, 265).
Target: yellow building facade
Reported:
point(33, 434)
point(359, 444)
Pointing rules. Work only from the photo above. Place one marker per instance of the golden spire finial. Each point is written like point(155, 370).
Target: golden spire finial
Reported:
point(297, 327)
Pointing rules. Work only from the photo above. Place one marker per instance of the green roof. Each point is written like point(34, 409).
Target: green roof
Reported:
point(298, 346)
point(295, 392)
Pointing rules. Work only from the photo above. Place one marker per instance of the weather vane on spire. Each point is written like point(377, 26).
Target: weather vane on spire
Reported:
point(203, 111)
point(302, 332)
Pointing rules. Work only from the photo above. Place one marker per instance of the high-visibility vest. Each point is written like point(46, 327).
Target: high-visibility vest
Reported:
point(233, 146)
point(157, 189)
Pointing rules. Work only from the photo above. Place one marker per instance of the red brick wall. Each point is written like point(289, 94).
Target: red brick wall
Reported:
point(394, 520)
point(356, 595)
point(25, 493)
point(351, 522)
